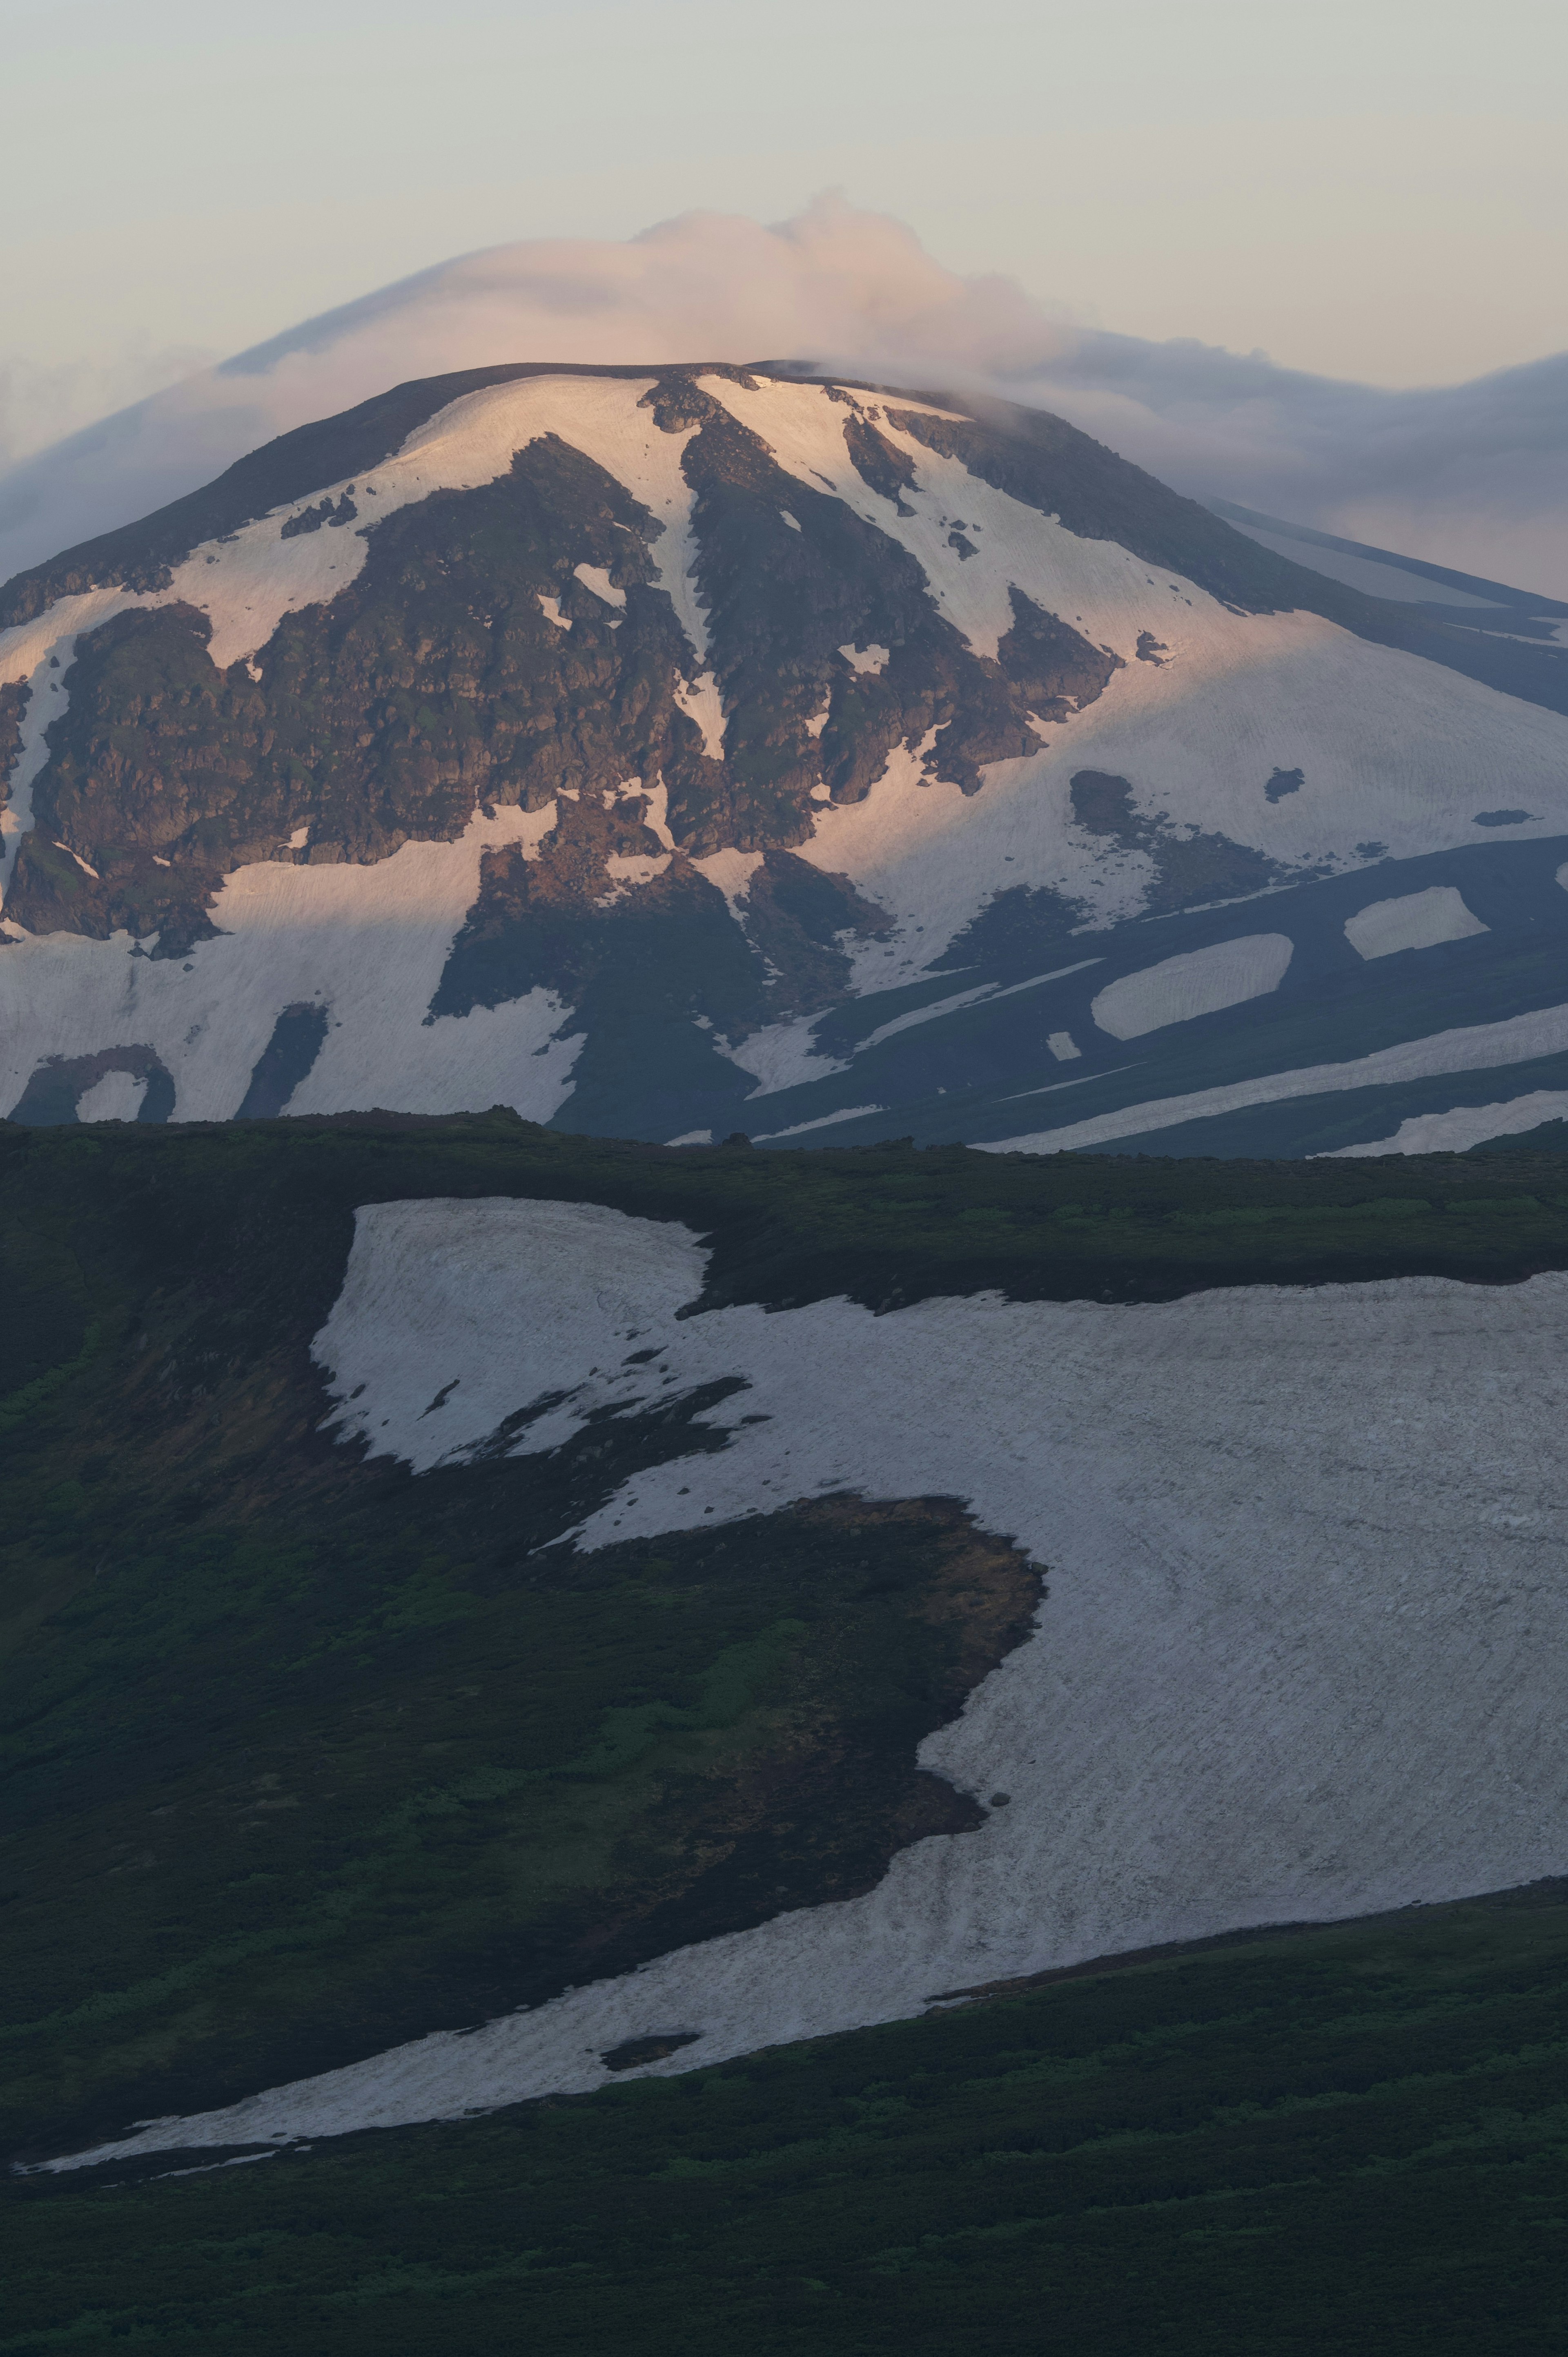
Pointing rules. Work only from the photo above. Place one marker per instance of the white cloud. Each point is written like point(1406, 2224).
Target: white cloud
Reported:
point(1475, 476)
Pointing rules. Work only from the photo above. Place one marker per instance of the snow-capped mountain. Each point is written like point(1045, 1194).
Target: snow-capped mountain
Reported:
point(670, 752)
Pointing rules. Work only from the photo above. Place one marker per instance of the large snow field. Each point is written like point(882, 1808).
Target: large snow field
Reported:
point(369, 944)
point(1472, 1048)
point(1301, 1657)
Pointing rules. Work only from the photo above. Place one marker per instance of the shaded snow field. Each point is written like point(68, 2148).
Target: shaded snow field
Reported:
point(1390, 746)
point(1302, 1655)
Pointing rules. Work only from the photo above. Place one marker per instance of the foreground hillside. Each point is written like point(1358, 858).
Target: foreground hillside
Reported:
point(1330, 2142)
point(492, 1615)
point(664, 752)
point(435, 1582)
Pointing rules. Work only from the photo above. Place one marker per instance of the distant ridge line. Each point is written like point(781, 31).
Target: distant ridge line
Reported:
point(1472, 582)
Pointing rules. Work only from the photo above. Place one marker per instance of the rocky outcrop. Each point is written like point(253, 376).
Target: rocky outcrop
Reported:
point(435, 682)
point(14, 696)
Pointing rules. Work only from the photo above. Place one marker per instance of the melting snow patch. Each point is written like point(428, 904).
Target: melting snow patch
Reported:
point(552, 611)
point(594, 578)
point(1198, 982)
point(1301, 1658)
point(1417, 921)
point(867, 659)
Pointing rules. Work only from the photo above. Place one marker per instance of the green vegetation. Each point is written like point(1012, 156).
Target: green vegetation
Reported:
point(1323, 2143)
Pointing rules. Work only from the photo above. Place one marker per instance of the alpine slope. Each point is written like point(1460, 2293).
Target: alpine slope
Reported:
point(1297, 1656)
point(674, 752)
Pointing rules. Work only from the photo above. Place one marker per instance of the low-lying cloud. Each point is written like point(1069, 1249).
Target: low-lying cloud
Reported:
point(1473, 476)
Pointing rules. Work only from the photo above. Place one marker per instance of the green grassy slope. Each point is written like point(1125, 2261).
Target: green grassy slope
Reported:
point(1341, 2141)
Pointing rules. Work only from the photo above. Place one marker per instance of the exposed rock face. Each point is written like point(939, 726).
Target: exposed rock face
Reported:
point(13, 698)
point(677, 713)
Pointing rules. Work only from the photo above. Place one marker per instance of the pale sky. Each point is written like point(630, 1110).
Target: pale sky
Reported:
point(1374, 190)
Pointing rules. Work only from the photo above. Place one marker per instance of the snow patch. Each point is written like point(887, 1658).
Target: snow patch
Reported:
point(866, 659)
point(1198, 982)
point(732, 872)
point(1416, 920)
point(699, 699)
point(116, 1097)
point(594, 578)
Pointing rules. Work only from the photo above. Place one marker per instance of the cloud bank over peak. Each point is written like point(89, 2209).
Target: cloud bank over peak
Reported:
point(1472, 476)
